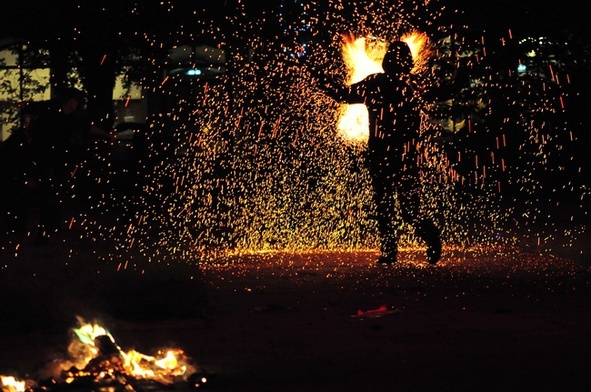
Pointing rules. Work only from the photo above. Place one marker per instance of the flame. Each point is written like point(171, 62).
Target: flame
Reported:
point(170, 361)
point(146, 366)
point(420, 48)
point(11, 384)
point(361, 59)
point(363, 56)
point(83, 349)
point(87, 333)
point(163, 367)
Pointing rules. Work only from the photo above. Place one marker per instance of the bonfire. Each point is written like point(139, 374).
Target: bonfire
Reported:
point(96, 363)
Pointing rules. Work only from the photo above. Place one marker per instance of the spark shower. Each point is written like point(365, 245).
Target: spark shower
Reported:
point(259, 163)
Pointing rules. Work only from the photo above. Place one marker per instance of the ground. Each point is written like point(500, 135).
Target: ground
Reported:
point(483, 319)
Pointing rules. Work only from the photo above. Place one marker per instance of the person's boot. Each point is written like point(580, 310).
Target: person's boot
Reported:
point(386, 259)
point(434, 251)
point(389, 250)
point(430, 234)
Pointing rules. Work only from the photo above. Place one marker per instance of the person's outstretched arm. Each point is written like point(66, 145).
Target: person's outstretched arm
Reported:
point(340, 93)
point(335, 90)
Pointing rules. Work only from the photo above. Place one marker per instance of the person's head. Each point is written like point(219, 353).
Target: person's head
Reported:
point(72, 99)
point(398, 59)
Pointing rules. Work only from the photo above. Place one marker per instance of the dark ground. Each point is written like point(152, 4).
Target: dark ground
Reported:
point(497, 320)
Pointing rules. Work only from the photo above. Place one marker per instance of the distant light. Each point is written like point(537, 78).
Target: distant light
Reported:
point(521, 68)
point(193, 72)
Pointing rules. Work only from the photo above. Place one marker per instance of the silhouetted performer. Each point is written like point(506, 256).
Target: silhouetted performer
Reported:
point(56, 131)
point(394, 124)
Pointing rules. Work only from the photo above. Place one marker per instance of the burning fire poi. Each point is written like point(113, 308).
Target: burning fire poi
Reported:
point(363, 57)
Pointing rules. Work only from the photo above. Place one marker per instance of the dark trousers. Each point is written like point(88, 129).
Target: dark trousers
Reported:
point(46, 200)
point(399, 183)
point(49, 208)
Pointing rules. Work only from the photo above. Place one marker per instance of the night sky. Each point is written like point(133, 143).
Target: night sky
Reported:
point(544, 17)
point(535, 16)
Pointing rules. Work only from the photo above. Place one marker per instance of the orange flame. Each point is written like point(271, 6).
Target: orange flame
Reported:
point(420, 48)
point(11, 384)
point(361, 59)
point(163, 366)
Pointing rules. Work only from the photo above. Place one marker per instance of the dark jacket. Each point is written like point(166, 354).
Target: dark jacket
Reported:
point(394, 117)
